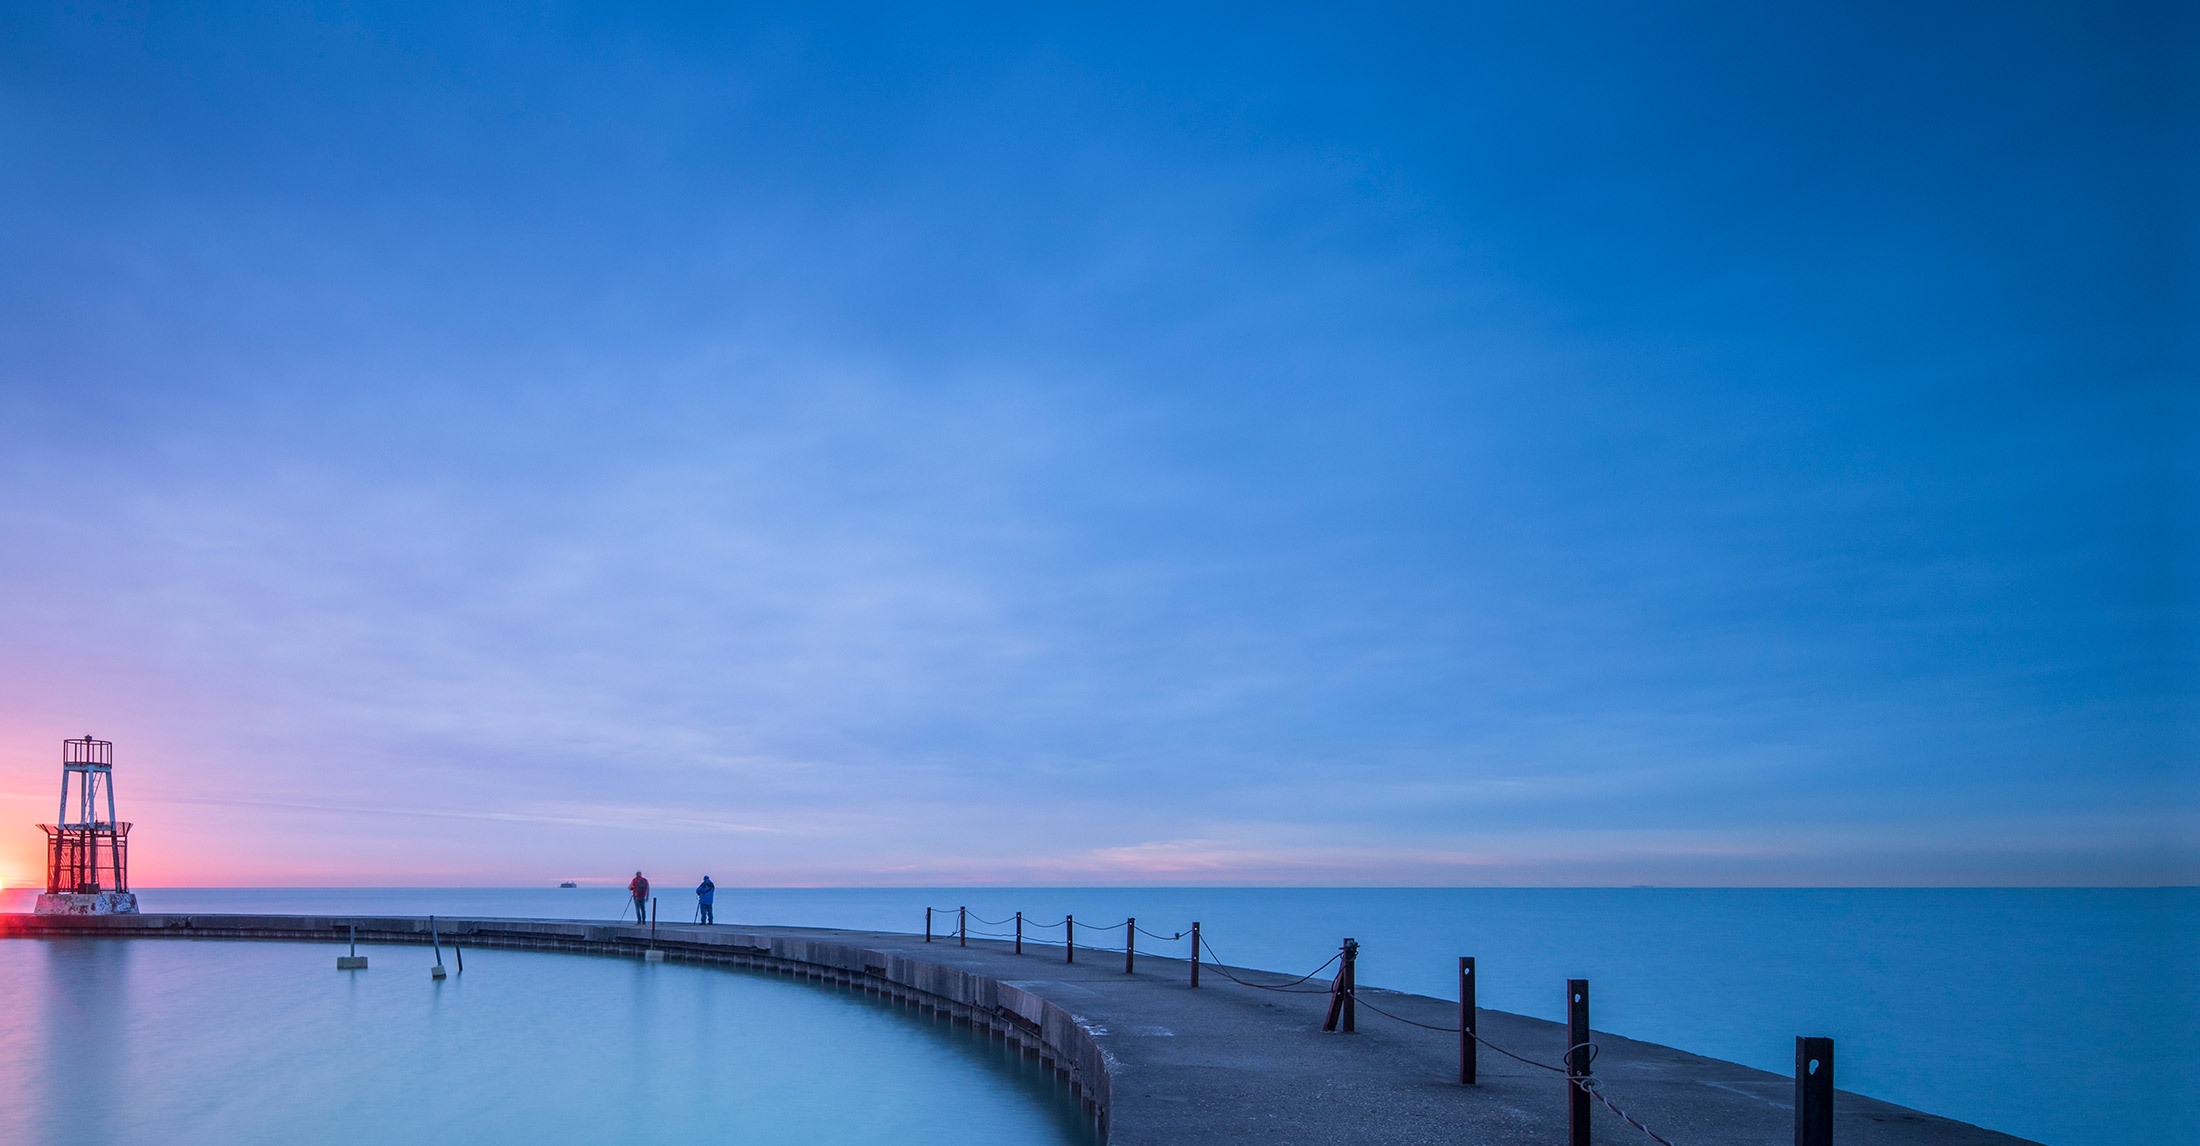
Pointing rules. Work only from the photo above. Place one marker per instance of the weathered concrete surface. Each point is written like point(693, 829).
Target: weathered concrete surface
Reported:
point(87, 903)
point(1231, 1064)
point(1218, 1066)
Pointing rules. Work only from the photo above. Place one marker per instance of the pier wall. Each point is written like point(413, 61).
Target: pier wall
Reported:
point(1041, 1029)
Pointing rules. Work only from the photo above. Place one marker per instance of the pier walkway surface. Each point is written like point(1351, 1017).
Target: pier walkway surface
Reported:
point(1157, 1062)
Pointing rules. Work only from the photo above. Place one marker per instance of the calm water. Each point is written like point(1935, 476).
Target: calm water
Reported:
point(2062, 1015)
point(237, 1044)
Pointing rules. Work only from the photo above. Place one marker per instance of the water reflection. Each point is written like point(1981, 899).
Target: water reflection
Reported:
point(183, 1041)
point(83, 1018)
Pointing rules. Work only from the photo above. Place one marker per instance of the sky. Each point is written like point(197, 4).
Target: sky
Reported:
point(1476, 444)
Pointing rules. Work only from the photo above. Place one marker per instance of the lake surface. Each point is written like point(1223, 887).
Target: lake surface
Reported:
point(2063, 1015)
point(188, 1042)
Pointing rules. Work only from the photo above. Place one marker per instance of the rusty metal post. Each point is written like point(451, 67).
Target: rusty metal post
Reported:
point(1813, 1092)
point(1069, 943)
point(1577, 1061)
point(653, 954)
point(962, 927)
point(1342, 1009)
point(1351, 983)
point(1019, 933)
point(353, 961)
point(1195, 952)
point(1130, 943)
point(1466, 1020)
point(927, 925)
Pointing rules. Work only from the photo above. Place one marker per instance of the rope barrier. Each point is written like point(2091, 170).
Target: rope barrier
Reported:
point(1455, 1030)
point(1595, 1088)
point(1587, 1081)
point(1281, 988)
point(1033, 924)
point(1030, 924)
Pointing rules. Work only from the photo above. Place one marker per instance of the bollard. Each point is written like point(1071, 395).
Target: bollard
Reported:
point(1351, 984)
point(435, 972)
point(353, 961)
point(1577, 1061)
point(1019, 933)
point(1813, 1092)
point(1343, 1007)
point(1195, 952)
point(962, 927)
point(927, 925)
point(1069, 941)
point(1466, 1020)
point(1130, 943)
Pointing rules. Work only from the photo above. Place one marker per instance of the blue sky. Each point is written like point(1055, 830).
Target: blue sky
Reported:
point(1610, 444)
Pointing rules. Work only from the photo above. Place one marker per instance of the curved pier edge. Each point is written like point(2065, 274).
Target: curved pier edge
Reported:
point(1153, 1062)
point(1039, 1028)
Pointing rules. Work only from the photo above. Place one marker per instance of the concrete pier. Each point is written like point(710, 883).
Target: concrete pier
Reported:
point(87, 903)
point(1155, 1062)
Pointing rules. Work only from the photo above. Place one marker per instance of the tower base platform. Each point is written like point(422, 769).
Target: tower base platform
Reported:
point(87, 903)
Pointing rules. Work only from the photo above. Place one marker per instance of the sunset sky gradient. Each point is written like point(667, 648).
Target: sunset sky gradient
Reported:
point(1706, 444)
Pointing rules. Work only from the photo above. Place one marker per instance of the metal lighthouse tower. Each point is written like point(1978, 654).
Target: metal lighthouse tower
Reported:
point(87, 856)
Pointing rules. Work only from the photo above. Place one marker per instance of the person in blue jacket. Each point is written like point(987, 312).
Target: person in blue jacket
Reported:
point(705, 892)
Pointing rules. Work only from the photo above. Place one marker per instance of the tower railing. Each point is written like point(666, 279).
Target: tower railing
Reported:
point(82, 847)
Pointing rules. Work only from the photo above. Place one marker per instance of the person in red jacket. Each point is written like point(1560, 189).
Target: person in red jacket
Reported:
point(639, 889)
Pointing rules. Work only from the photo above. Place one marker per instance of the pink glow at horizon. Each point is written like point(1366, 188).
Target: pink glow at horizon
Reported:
point(211, 810)
point(216, 839)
